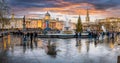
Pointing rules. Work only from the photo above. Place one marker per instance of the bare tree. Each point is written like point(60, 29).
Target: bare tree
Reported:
point(4, 11)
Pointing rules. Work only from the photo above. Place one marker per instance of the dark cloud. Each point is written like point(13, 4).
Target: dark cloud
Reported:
point(34, 3)
point(99, 4)
point(64, 6)
point(107, 4)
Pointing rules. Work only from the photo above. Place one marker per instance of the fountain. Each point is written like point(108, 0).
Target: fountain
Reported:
point(103, 28)
point(66, 33)
point(66, 28)
point(104, 31)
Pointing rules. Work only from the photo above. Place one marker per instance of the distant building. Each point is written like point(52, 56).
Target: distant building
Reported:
point(51, 23)
point(15, 23)
point(111, 23)
point(88, 25)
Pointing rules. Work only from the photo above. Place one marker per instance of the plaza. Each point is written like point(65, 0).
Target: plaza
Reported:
point(55, 50)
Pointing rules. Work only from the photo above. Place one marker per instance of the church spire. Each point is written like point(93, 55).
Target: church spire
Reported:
point(12, 17)
point(87, 16)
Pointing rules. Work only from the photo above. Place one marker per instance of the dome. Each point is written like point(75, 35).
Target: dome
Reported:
point(47, 14)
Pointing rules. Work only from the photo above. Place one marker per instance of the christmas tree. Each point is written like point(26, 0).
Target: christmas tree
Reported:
point(79, 25)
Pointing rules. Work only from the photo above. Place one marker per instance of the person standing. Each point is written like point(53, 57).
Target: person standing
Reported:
point(31, 39)
point(112, 35)
point(35, 38)
point(103, 35)
point(76, 34)
point(35, 35)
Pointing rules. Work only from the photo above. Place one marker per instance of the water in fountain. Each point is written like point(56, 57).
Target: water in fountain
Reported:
point(67, 29)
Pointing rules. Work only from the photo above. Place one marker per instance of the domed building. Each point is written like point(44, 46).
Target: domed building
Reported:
point(47, 16)
point(46, 21)
point(53, 24)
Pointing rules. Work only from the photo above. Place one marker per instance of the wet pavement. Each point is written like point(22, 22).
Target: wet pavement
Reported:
point(53, 50)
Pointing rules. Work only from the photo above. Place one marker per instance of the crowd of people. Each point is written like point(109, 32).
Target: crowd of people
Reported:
point(32, 36)
point(95, 34)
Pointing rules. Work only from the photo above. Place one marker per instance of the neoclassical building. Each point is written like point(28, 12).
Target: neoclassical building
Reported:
point(51, 23)
point(47, 21)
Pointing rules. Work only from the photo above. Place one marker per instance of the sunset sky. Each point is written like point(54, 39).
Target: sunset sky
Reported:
point(70, 8)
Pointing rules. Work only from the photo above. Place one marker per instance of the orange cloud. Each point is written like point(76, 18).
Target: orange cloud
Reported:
point(69, 8)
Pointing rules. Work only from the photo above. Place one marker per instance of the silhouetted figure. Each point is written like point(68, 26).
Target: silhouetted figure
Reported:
point(35, 35)
point(76, 34)
point(98, 35)
point(112, 35)
point(19, 32)
point(103, 35)
point(24, 42)
point(24, 39)
point(35, 38)
point(90, 34)
point(95, 35)
point(31, 39)
point(79, 34)
point(28, 34)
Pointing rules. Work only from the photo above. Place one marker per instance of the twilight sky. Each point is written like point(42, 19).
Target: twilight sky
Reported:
point(71, 8)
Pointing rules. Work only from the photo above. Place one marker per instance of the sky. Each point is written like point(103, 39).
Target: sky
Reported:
point(71, 9)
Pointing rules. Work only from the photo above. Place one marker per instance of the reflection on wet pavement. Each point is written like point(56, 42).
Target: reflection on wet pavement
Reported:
point(16, 49)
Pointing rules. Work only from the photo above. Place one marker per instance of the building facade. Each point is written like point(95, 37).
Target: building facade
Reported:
point(111, 24)
point(54, 24)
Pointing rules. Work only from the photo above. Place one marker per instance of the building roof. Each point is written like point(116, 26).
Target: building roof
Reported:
point(47, 14)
